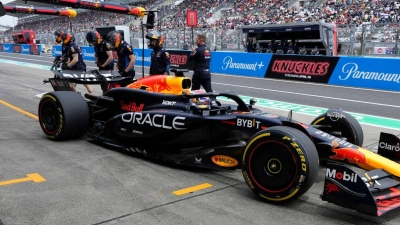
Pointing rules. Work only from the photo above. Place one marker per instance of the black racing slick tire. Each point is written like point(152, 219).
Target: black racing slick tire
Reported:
point(350, 130)
point(280, 164)
point(63, 115)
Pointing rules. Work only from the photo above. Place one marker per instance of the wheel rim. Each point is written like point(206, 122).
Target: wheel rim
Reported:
point(49, 117)
point(273, 166)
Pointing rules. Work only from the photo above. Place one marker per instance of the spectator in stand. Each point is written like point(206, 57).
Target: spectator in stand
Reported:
point(242, 12)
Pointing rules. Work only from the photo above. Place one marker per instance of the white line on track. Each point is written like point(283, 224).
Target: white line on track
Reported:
point(310, 95)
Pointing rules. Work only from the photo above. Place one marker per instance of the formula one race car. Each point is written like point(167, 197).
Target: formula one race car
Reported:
point(159, 117)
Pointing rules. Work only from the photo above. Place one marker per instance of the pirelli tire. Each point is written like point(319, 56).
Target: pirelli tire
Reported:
point(63, 115)
point(280, 164)
point(347, 127)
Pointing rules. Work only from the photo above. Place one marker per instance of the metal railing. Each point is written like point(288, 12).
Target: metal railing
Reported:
point(380, 40)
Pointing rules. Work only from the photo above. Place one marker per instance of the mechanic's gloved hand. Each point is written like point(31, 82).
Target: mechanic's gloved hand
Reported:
point(65, 66)
point(56, 59)
point(123, 73)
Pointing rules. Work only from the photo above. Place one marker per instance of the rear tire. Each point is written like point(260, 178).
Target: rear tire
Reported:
point(280, 163)
point(63, 115)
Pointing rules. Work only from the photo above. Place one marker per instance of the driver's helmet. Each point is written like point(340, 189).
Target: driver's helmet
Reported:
point(93, 38)
point(202, 100)
point(155, 35)
point(58, 35)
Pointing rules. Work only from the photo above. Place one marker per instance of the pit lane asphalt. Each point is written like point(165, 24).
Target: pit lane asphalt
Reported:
point(91, 184)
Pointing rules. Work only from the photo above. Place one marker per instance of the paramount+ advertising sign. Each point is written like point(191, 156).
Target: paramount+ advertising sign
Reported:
point(375, 73)
point(302, 68)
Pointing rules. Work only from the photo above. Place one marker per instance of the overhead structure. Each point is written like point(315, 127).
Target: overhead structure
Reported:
point(308, 35)
point(2, 10)
point(11, 8)
point(96, 5)
point(4, 27)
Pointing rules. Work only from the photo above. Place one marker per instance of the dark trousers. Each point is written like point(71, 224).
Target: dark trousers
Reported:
point(130, 74)
point(198, 81)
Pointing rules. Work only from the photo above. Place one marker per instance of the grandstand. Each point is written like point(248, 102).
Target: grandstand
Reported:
point(360, 23)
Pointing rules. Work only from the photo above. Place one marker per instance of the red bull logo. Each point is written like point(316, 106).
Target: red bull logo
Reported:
point(352, 155)
point(331, 187)
point(132, 107)
point(160, 85)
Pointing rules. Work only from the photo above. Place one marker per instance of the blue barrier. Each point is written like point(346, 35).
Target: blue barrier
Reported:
point(365, 72)
point(376, 73)
point(26, 49)
point(56, 50)
point(138, 56)
point(8, 47)
point(87, 53)
point(240, 63)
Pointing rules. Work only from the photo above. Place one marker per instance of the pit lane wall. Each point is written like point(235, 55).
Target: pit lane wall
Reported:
point(28, 49)
point(364, 72)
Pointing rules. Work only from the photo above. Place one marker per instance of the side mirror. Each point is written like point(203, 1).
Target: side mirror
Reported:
point(2, 10)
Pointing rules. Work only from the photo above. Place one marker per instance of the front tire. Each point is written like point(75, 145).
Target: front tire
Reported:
point(63, 115)
point(347, 127)
point(280, 164)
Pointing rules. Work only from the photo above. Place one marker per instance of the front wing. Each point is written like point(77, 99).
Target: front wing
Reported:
point(374, 192)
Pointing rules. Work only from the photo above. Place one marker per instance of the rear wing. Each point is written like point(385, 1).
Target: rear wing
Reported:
point(374, 192)
point(62, 79)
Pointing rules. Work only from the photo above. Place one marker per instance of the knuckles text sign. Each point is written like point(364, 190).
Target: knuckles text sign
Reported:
point(304, 68)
